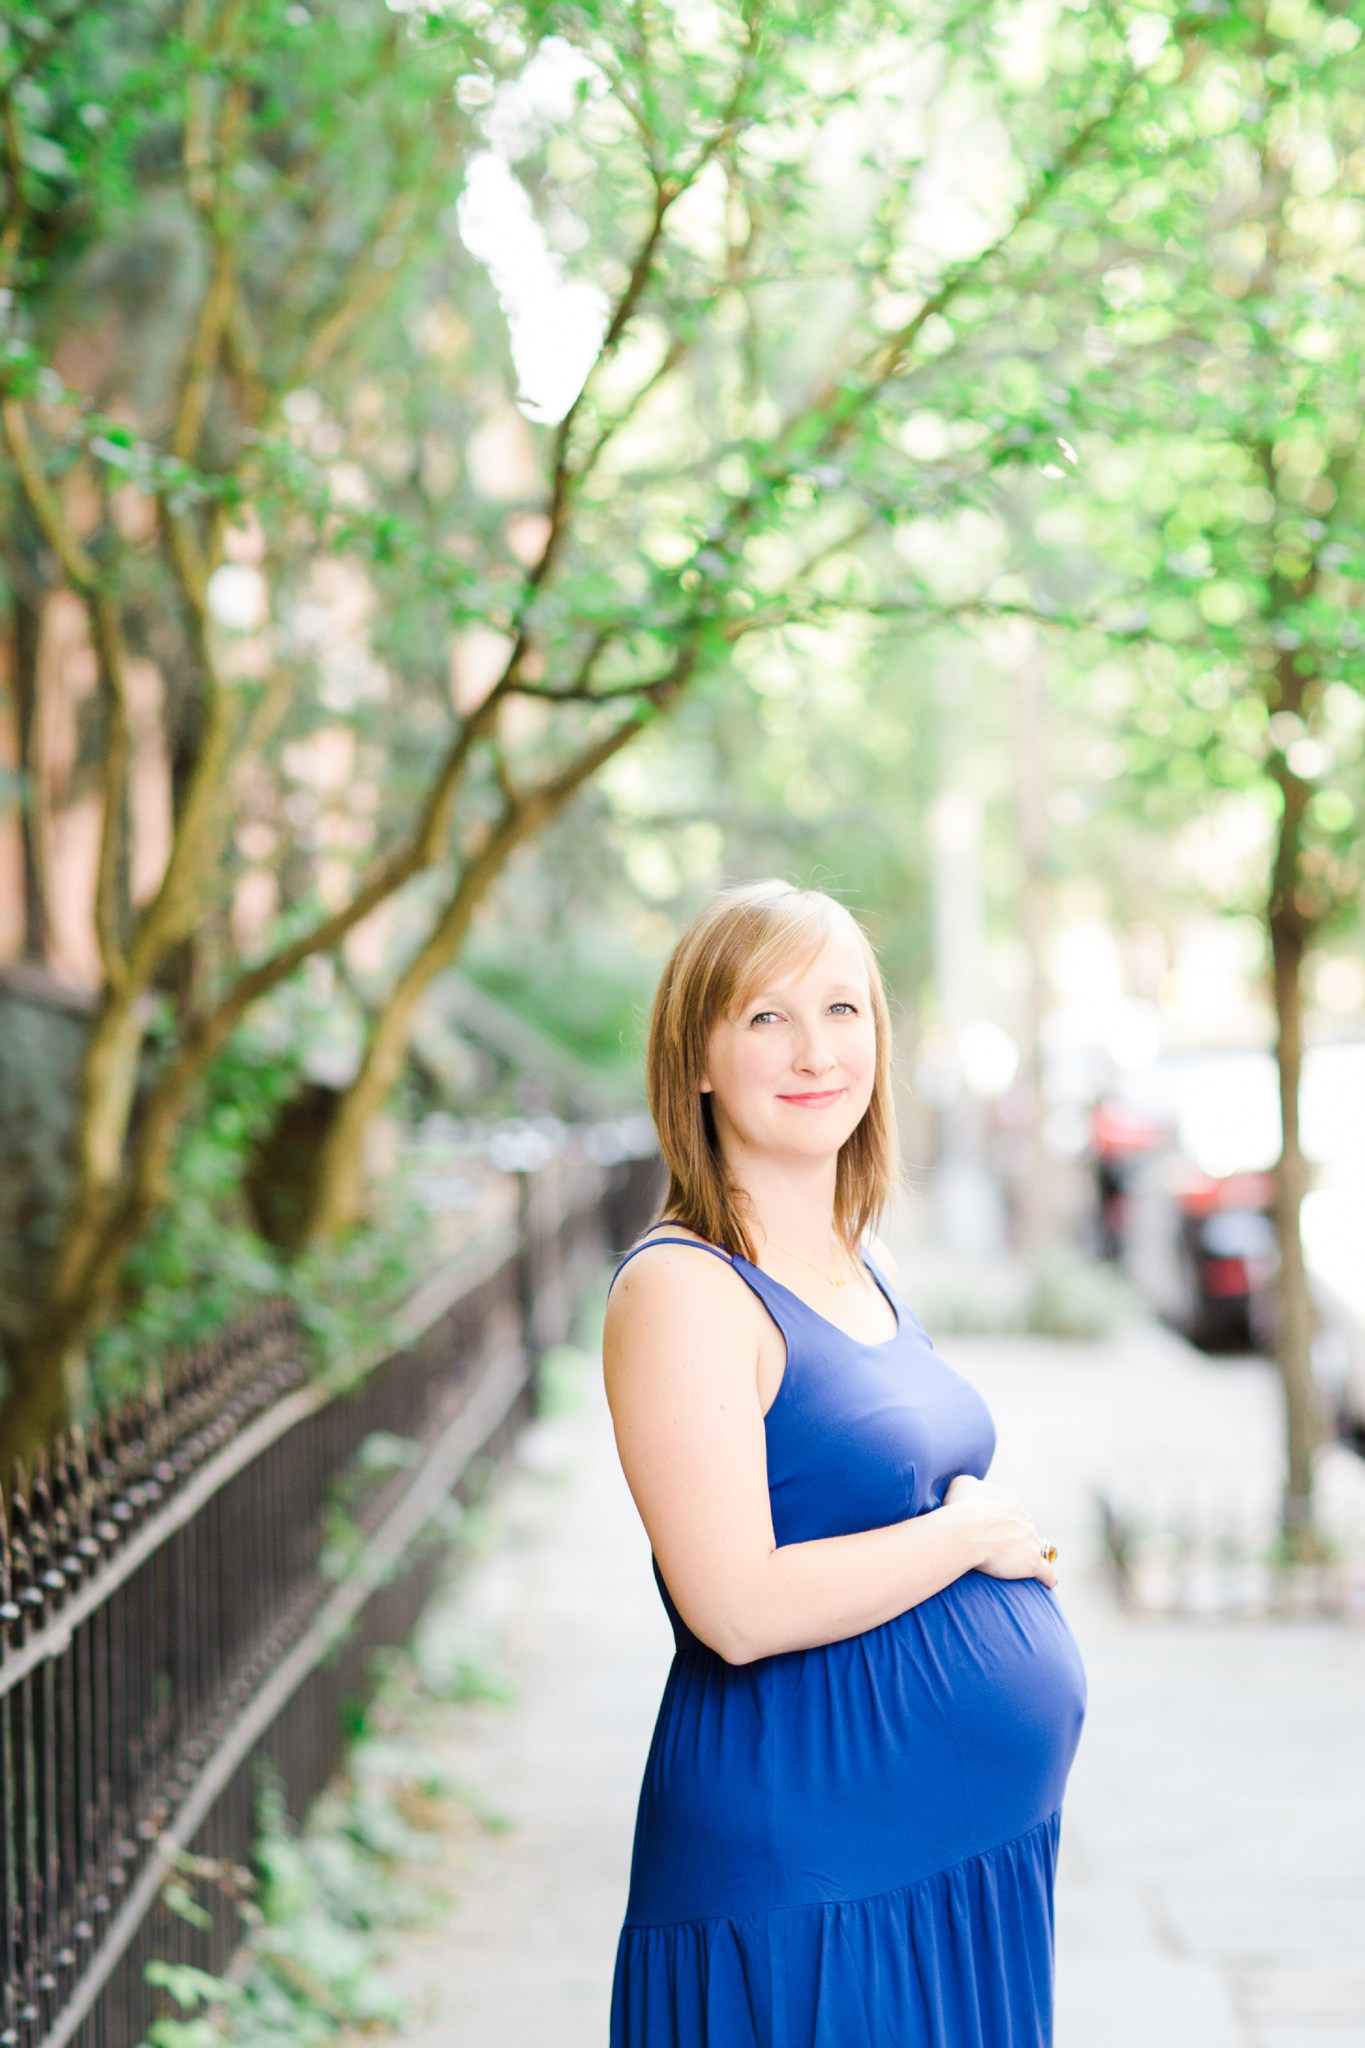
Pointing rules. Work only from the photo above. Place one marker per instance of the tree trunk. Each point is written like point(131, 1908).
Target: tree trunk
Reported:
point(40, 1373)
point(1295, 1320)
point(337, 1197)
point(338, 1192)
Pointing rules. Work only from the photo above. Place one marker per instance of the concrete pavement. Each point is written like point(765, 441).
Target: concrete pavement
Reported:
point(1212, 1885)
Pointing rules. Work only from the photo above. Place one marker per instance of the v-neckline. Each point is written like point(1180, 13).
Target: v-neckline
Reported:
point(737, 1258)
point(866, 1343)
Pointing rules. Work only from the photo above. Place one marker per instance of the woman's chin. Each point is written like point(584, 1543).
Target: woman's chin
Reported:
point(821, 1138)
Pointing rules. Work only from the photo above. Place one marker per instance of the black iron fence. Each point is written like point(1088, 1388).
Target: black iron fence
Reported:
point(172, 1609)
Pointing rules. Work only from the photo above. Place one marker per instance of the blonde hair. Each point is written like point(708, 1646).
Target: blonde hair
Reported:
point(725, 955)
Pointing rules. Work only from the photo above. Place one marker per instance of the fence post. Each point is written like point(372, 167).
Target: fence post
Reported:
point(536, 1158)
point(528, 1278)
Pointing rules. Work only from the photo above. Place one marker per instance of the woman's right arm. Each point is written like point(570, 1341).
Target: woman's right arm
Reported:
point(680, 1351)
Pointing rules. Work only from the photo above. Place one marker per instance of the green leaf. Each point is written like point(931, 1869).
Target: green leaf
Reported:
point(187, 1985)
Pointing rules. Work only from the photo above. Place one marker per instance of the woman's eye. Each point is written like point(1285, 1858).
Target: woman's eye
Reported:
point(845, 1006)
point(761, 1015)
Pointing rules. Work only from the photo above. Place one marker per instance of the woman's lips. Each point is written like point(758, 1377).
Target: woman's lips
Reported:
point(813, 1101)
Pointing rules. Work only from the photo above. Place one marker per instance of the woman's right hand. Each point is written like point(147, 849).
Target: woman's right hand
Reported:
point(1000, 1530)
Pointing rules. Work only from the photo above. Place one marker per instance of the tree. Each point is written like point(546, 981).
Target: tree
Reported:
point(259, 478)
point(1208, 320)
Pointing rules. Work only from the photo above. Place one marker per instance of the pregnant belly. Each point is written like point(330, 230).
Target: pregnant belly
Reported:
point(861, 1766)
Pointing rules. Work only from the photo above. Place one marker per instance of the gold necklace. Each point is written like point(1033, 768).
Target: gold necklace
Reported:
point(832, 1278)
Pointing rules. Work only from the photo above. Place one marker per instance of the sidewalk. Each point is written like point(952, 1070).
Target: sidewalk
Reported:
point(1212, 1888)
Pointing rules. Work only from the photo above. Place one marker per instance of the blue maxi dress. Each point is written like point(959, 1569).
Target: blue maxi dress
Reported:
point(853, 1846)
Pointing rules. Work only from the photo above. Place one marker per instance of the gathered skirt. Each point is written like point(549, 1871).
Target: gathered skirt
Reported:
point(854, 1846)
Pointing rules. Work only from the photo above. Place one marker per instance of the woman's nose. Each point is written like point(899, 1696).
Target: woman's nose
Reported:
point(814, 1056)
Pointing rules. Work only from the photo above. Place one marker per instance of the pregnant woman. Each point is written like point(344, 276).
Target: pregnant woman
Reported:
point(848, 1823)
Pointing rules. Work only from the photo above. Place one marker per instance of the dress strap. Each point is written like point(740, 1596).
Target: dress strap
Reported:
point(874, 1269)
point(695, 1243)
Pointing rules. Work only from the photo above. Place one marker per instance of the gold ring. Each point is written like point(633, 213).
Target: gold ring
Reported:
point(1049, 1552)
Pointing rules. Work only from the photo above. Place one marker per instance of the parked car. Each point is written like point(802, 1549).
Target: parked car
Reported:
point(1201, 1247)
point(1184, 1154)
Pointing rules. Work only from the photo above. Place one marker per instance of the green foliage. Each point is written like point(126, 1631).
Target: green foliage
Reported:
point(182, 1902)
point(202, 1262)
point(1070, 1296)
point(1057, 1293)
point(320, 1907)
point(344, 1537)
point(1214, 344)
point(734, 439)
point(187, 1986)
point(564, 1374)
point(833, 398)
point(465, 1679)
point(579, 978)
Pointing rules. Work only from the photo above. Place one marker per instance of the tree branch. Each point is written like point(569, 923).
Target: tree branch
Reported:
point(170, 915)
point(243, 354)
point(196, 384)
point(78, 566)
point(210, 153)
point(564, 475)
point(672, 357)
point(370, 277)
point(364, 287)
point(17, 211)
point(107, 629)
point(840, 407)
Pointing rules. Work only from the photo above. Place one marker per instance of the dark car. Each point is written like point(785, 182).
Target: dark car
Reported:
point(1201, 1248)
point(1184, 1152)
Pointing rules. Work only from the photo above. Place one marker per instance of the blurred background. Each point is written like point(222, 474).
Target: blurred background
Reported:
point(475, 479)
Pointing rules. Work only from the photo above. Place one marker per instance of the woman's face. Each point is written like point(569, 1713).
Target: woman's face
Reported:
point(792, 1069)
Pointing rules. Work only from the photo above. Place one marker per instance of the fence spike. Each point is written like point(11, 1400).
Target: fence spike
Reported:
point(154, 1430)
point(180, 1388)
point(144, 1432)
point(20, 1559)
point(84, 1485)
point(112, 1435)
point(106, 1467)
point(94, 1459)
point(40, 1516)
point(135, 1432)
point(61, 1481)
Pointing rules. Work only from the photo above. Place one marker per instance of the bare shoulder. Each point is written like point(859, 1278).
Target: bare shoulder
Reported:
point(674, 1300)
point(885, 1259)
